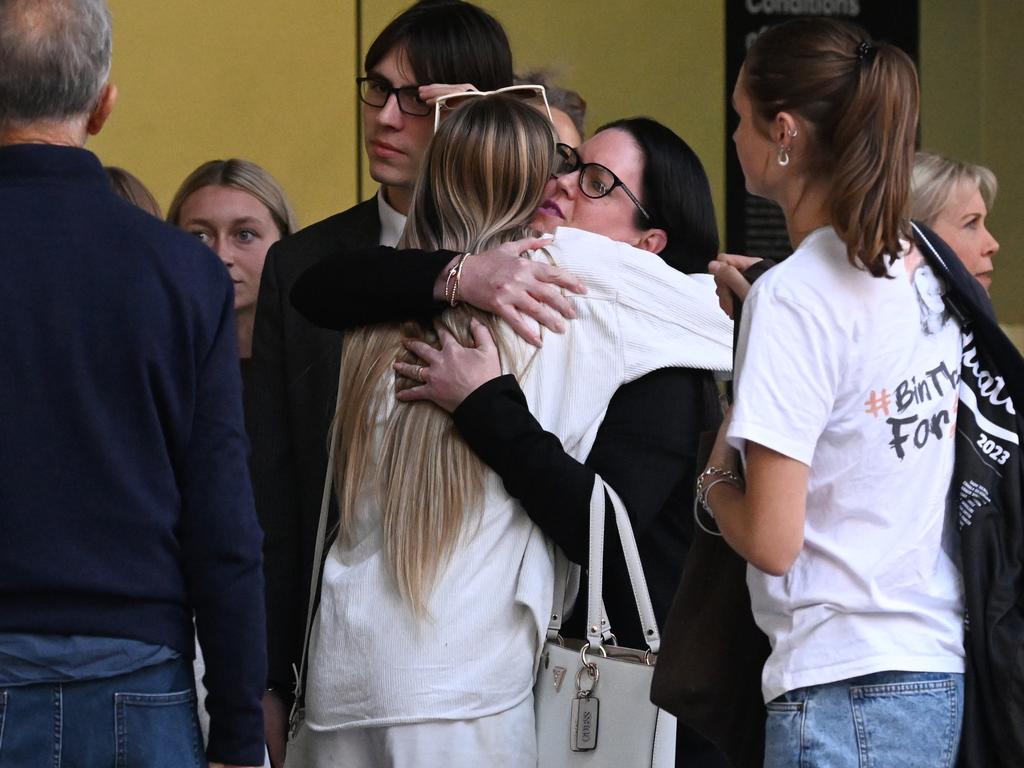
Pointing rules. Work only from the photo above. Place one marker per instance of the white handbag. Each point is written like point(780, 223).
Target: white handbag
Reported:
point(592, 698)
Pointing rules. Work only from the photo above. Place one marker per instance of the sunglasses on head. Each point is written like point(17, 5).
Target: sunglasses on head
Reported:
point(529, 93)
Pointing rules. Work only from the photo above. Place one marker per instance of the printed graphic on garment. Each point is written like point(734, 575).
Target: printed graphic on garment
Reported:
point(928, 290)
point(910, 408)
point(988, 441)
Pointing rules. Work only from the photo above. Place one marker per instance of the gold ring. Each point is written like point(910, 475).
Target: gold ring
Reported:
point(419, 374)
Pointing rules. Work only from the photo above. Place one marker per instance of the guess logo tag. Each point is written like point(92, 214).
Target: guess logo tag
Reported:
point(559, 674)
point(583, 724)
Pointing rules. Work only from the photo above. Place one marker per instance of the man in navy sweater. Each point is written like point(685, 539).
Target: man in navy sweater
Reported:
point(125, 501)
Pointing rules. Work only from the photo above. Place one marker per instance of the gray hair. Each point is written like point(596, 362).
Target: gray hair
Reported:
point(565, 99)
point(935, 179)
point(54, 58)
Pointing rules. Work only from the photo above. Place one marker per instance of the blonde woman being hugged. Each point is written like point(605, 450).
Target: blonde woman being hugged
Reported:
point(846, 378)
point(437, 590)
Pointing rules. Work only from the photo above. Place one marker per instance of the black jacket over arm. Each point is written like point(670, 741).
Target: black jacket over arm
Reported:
point(645, 449)
point(988, 479)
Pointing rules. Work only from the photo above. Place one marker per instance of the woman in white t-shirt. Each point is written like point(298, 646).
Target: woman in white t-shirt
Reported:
point(436, 594)
point(846, 391)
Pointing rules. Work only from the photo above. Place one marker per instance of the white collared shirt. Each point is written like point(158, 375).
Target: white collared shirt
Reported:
point(392, 223)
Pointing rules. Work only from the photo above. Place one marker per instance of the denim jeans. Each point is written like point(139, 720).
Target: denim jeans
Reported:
point(145, 718)
point(884, 720)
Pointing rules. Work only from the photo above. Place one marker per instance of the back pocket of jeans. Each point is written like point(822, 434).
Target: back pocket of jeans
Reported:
point(916, 721)
point(157, 730)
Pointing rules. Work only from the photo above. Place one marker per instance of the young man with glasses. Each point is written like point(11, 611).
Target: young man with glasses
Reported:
point(296, 364)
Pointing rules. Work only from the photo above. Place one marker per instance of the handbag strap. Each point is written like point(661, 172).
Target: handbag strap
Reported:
point(567, 582)
point(564, 572)
point(318, 557)
point(597, 626)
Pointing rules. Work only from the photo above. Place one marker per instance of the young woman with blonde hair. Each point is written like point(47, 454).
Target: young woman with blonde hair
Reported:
point(239, 210)
point(436, 593)
point(844, 411)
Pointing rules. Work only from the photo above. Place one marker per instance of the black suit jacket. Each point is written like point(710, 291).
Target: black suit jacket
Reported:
point(294, 388)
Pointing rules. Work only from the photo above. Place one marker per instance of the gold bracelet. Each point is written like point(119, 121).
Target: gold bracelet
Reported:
point(448, 284)
point(454, 301)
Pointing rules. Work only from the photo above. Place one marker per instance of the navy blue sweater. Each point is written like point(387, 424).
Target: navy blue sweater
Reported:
point(125, 501)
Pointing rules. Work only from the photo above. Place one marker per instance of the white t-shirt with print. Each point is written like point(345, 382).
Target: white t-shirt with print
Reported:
point(856, 377)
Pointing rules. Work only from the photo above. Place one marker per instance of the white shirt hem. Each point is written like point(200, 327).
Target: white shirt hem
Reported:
point(383, 722)
point(790, 681)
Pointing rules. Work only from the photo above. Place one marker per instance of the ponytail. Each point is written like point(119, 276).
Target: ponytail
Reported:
point(862, 100)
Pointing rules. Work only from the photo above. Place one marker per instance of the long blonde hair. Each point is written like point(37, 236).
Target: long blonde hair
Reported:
point(481, 181)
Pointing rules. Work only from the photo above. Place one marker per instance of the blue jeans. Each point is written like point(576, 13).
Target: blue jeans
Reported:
point(884, 720)
point(145, 718)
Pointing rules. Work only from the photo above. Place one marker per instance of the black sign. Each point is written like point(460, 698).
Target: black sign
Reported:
point(755, 226)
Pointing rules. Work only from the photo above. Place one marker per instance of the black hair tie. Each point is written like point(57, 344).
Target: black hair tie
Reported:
point(866, 51)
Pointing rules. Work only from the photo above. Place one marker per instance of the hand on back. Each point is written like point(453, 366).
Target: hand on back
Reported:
point(514, 289)
point(730, 284)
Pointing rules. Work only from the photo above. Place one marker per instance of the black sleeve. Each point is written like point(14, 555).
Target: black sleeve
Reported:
point(648, 432)
point(370, 285)
point(274, 481)
point(220, 544)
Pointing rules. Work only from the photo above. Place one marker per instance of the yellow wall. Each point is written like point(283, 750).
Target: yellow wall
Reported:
point(273, 83)
point(205, 79)
point(972, 79)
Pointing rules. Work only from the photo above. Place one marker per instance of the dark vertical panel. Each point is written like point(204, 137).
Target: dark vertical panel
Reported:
point(755, 226)
point(360, 53)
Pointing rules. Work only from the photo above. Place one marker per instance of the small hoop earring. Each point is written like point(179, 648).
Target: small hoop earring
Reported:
point(791, 133)
point(783, 155)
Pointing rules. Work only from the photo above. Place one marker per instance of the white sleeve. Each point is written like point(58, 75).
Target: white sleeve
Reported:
point(788, 370)
point(664, 317)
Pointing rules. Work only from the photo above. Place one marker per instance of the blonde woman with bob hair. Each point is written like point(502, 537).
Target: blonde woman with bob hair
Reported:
point(954, 198)
point(436, 593)
point(844, 405)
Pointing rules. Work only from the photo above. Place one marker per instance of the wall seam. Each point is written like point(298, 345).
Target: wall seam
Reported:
point(358, 107)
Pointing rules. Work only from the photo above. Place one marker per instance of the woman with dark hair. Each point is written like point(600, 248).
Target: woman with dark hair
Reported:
point(845, 402)
point(677, 192)
point(637, 182)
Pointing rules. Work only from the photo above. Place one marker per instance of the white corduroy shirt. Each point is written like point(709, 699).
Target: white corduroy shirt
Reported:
point(372, 662)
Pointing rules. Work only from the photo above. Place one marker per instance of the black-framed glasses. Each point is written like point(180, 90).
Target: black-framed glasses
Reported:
point(595, 180)
point(375, 92)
